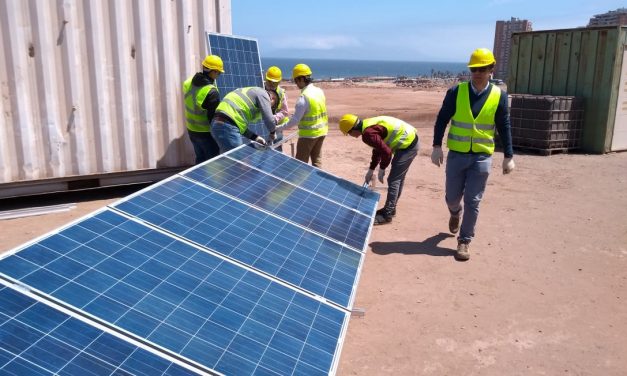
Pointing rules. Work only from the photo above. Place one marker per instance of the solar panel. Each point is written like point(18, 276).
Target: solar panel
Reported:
point(212, 270)
point(36, 339)
point(186, 301)
point(242, 67)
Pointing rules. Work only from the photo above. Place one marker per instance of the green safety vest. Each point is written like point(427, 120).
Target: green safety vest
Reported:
point(195, 116)
point(466, 132)
point(400, 134)
point(281, 93)
point(240, 108)
point(315, 123)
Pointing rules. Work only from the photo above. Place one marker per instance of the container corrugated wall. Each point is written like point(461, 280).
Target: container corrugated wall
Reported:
point(93, 88)
point(583, 63)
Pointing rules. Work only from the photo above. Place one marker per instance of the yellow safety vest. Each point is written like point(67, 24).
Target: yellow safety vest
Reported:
point(240, 108)
point(315, 123)
point(466, 132)
point(281, 92)
point(400, 134)
point(195, 116)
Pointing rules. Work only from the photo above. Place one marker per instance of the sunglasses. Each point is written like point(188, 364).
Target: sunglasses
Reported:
point(482, 69)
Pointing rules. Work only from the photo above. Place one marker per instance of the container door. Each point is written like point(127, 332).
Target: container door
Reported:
point(619, 138)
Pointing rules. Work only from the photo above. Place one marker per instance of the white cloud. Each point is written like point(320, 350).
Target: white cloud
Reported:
point(315, 42)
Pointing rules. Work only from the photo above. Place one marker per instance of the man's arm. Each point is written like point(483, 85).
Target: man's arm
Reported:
point(503, 125)
point(300, 109)
point(263, 101)
point(381, 152)
point(211, 102)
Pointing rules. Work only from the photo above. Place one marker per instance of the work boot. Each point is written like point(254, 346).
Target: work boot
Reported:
point(382, 219)
point(382, 212)
point(453, 224)
point(463, 251)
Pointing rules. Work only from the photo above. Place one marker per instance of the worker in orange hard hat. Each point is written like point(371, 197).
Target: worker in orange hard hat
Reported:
point(476, 109)
point(310, 114)
point(281, 116)
point(394, 143)
point(201, 99)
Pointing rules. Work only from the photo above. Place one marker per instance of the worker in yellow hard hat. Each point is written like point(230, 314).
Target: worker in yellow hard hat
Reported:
point(476, 109)
point(310, 114)
point(394, 143)
point(201, 99)
point(281, 116)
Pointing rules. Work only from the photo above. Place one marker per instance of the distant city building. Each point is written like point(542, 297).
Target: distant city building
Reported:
point(503, 43)
point(613, 17)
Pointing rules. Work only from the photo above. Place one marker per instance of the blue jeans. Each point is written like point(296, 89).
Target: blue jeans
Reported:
point(205, 146)
point(466, 176)
point(226, 135)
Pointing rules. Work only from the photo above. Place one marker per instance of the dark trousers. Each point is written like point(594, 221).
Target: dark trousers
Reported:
point(205, 146)
point(400, 165)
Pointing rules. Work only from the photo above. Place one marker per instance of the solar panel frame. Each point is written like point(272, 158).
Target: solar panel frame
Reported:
point(242, 68)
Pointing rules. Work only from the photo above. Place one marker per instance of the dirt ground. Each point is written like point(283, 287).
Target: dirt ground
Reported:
point(542, 294)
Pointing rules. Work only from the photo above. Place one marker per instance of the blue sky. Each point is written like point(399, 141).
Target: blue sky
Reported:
point(443, 30)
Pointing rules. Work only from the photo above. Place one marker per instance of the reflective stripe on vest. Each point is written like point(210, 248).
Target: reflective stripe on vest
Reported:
point(240, 108)
point(195, 116)
point(315, 122)
point(399, 134)
point(468, 133)
point(281, 92)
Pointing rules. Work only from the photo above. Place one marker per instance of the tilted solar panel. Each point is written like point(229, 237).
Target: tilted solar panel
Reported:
point(183, 299)
point(242, 67)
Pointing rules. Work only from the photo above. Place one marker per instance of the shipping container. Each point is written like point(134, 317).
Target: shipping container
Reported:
point(91, 90)
point(588, 63)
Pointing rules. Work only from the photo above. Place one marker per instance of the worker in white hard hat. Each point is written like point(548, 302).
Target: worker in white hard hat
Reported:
point(310, 115)
point(201, 99)
point(394, 143)
point(476, 109)
point(281, 116)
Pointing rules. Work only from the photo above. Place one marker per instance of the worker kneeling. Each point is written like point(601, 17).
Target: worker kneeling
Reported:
point(392, 140)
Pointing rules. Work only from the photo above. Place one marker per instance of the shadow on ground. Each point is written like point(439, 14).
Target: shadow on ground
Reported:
point(429, 246)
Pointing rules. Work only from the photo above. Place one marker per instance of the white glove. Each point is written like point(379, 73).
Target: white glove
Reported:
point(437, 157)
point(368, 177)
point(508, 165)
point(260, 140)
point(279, 128)
point(381, 174)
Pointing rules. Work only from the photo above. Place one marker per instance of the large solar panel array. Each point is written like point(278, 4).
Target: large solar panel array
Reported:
point(242, 67)
point(197, 275)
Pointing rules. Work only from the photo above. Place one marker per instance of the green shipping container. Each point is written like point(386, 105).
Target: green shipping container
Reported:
point(590, 63)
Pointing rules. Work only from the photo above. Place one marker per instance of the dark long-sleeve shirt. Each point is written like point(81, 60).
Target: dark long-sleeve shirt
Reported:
point(381, 153)
point(213, 98)
point(501, 118)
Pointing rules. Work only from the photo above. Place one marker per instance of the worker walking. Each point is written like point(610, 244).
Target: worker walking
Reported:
point(310, 114)
point(201, 99)
point(239, 108)
point(392, 140)
point(475, 109)
point(281, 116)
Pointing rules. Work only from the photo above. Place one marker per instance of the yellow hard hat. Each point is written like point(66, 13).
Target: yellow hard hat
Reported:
point(274, 74)
point(301, 70)
point(213, 62)
point(481, 57)
point(347, 122)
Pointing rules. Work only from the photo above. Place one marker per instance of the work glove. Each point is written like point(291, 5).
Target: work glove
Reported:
point(260, 140)
point(437, 157)
point(273, 136)
point(280, 127)
point(508, 165)
point(368, 177)
point(381, 174)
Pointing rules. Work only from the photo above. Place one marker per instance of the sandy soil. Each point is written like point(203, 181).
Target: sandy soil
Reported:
point(543, 292)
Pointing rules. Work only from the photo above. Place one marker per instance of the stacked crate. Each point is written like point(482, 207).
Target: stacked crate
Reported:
point(546, 123)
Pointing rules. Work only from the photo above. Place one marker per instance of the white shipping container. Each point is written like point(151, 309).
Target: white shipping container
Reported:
point(91, 89)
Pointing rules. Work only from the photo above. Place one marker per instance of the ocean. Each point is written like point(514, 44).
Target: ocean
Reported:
point(333, 69)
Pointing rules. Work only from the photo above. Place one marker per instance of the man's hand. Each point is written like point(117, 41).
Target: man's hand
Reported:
point(381, 174)
point(437, 156)
point(508, 165)
point(279, 128)
point(260, 140)
point(368, 177)
point(272, 136)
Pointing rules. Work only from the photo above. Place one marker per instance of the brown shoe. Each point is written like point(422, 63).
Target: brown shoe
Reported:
point(453, 224)
point(463, 251)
